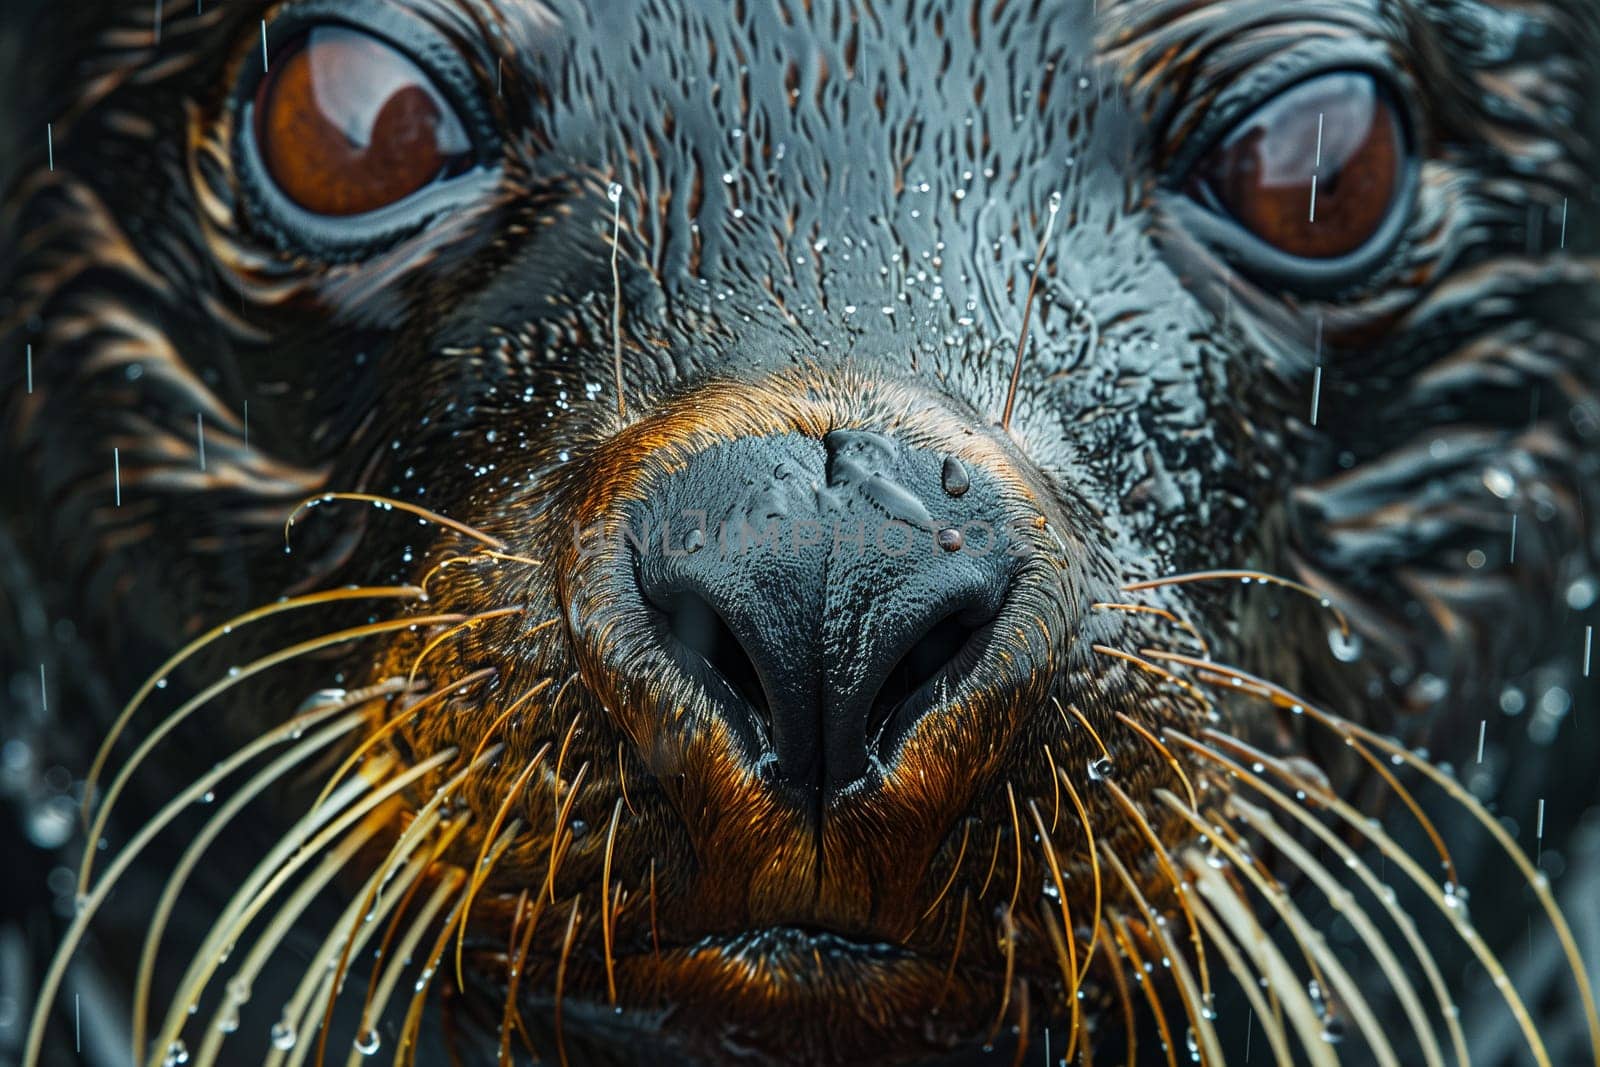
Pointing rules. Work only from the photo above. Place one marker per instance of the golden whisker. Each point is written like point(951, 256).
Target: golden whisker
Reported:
point(1534, 877)
point(1283, 699)
point(357, 922)
point(1248, 981)
point(479, 872)
point(1119, 978)
point(1022, 1023)
point(955, 953)
point(655, 933)
point(1055, 787)
point(401, 592)
point(263, 883)
point(1084, 722)
point(446, 839)
point(1180, 888)
point(1016, 834)
point(622, 781)
point(561, 976)
point(214, 826)
point(91, 902)
point(511, 1015)
point(1282, 982)
point(1071, 936)
point(377, 736)
point(955, 869)
point(398, 961)
point(1348, 991)
point(561, 824)
point(406, 1051)
point(1146, 609)
point(1344, 902)
point(1385, 896)
point(205, 696)
point(605, 912)
point(505, 716)
point(994, 860)
point(476, 557)
point(1160, 672)
point(1094, 867)
point(1119, 929)
point(1008, 938)
point(1166, 754)
point(396, 505)
point(1245, 576)
point(1196, 1004)
point(461, 627)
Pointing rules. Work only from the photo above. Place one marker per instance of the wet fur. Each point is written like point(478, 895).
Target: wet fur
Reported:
point(838, 279)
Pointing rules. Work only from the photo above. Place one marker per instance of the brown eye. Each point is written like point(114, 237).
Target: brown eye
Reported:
point(346, 124)
point(1315, 172)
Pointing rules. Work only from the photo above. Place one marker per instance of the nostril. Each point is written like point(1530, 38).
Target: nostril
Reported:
point(701, 629)
point(929, 655)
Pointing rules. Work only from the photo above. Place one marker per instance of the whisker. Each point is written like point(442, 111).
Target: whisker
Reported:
point(1166, 754)
point(177, 659)
point(205, 696)
point(1143, 609)
point(445, 840)
point(1248, 981)
point(1094, 867)
point(1196, 1005)
point(262, 884)
point(406, 1048)
point(477, 556)
point(1008, 938)
point(1348, 991)
point(1281, 979)
point(464, 625)
point(955, 952)
point(1245, 576)
point(561, 826)
point(479, 870)
point(1071, 960)
point(348, 928)
point(1119, 978)
point(391, 504)
point(1534, 877)
point(377, 736)
point(378, 996)
point(225, 814)
point(1084, 722)
point(994, 862)
point(1281, 698)
point(1180, 889)
point(955, 869)
point(1055, 787)
point(1386, 897)
point(1158, 671)
point(605, 912)
point(511, 1015)
point(1119, 929)
point(511, 709)
point(1344, 902)
point(561, 976)
point(91, 902)
point(423, 823)
point(1016, 836)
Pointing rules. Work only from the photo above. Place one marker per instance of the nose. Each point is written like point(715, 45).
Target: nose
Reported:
point(827, 594)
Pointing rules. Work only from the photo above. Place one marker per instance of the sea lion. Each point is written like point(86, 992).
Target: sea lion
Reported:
point(816, 532)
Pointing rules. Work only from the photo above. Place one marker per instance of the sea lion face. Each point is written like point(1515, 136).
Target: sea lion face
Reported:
point(848, 438)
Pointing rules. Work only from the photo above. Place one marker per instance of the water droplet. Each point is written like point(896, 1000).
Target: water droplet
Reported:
point(282, 1035)
point(614, 192)
point(1333, 1030)
point(368, 1043)
point(950, 539)
point(1346, 649)
point(954, 477)
point(1100, 768)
